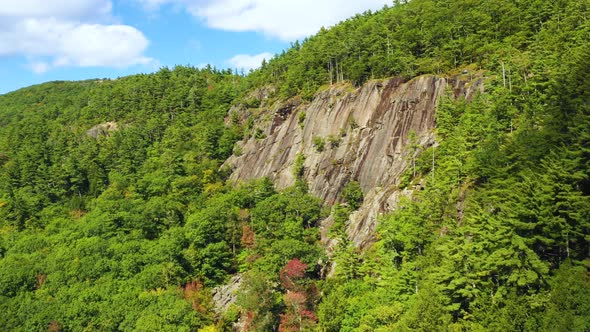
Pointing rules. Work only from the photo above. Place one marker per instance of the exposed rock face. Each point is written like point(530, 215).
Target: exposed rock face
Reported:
point(364, 132)
point(102, 130)
point(225, 295)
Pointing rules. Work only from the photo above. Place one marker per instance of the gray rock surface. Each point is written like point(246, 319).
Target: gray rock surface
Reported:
point(365, 134)
point(102, 130)
point(225, 295)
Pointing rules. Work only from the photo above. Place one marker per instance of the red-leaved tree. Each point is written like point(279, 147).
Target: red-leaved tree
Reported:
point(297, 315)
point(291, 273)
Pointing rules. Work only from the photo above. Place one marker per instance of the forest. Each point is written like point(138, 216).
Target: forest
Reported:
point(117, 215)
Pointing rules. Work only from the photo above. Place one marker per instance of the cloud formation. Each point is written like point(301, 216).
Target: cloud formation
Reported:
point(287, 20)
point(62, 33)
point(64, 9)
point(247, 62)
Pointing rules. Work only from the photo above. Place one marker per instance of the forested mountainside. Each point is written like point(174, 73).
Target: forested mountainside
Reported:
point(125, 203)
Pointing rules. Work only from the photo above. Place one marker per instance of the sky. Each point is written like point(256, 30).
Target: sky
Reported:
point(47, 40)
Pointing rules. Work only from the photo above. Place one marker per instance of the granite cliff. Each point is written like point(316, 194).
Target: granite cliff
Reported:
point(348, 134)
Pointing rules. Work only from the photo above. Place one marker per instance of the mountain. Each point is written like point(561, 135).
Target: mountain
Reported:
point(423, 167)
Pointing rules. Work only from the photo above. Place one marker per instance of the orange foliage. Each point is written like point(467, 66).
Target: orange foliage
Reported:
point(248, 237)
point(195, 293)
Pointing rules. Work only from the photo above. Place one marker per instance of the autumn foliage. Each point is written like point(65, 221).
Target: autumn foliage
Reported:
point(195, 293)
point(297, 315)
point(248, 237)
point(293, 271)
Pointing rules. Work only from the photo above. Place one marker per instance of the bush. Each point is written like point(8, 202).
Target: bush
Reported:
point(301, 118)
point(298, 165)
point(319, 144)
point(353, 194)
point(334, 141)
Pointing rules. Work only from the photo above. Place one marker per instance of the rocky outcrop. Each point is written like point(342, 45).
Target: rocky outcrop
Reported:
point(345, 135)
point(225, 295)
point(102, 130)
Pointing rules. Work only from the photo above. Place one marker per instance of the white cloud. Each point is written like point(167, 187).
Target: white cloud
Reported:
point(65, 9)
point(247, 62)
point(39, 67)
point(286, 19)
point(155, 4)
point(63, 33)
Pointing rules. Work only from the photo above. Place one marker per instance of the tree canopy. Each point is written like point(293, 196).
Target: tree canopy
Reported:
point(115, 212)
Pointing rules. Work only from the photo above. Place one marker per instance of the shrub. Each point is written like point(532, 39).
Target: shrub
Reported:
point(319, 144)
point(353, 194)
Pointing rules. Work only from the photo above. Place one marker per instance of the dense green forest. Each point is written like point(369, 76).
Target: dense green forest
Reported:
point(115, 212)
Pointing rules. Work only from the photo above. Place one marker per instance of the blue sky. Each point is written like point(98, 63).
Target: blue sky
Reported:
point(46, 40)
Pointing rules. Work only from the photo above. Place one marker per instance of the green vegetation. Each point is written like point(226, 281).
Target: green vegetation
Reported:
point(301, 119)
point(487, 244)
point(319, 143)
point(298, 168)
point(352, 194)
point(429, 36)
point(333, 141)
point(129, 227)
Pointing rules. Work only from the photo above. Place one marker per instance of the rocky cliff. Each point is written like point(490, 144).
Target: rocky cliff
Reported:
point(348, 134)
